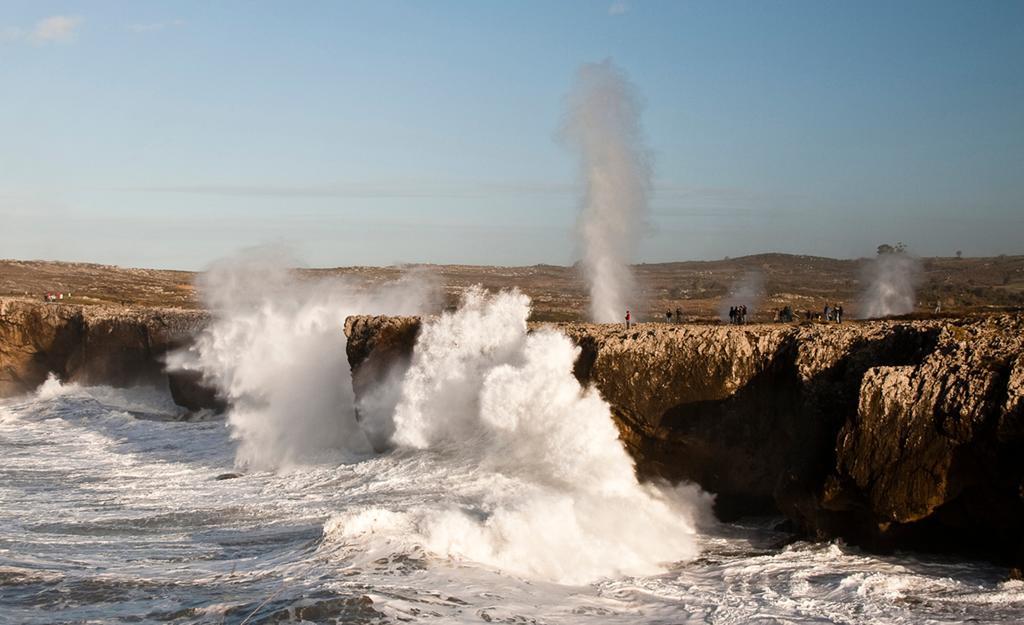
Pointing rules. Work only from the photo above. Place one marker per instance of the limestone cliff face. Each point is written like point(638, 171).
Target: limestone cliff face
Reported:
point(95, 345)
point(937, 449)
point(375, 346)
point(885, 433)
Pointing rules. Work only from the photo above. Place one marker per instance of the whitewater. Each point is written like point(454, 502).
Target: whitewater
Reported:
point(480, 483)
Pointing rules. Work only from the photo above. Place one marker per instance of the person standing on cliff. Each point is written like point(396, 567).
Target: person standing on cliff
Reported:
point(839, 313)
point(627, 319)
point(679, 315)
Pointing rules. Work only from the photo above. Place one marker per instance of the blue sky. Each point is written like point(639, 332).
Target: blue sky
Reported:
point(169, 134)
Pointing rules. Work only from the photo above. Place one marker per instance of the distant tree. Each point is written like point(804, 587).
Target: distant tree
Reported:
point(959, 254)
point(885, 248)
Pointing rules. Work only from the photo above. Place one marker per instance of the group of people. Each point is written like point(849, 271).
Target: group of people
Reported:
point(53, 297)
point(829, 313)
point(668, 317)
point(738, 314)
point(833, 313)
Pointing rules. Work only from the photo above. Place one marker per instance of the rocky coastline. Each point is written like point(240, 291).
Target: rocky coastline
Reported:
point(888, 434)
point(98, 344)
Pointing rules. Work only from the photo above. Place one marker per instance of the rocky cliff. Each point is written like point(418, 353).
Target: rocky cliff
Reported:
point(111, 345)
point(886, 433)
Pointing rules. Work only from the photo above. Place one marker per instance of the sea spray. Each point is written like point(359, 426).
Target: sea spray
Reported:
point(519, 468)
point(276, 351)
point(892, 279)
point(603, 126)
point(546, 488)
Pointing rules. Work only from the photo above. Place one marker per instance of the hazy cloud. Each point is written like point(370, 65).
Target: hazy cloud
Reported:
point(148, 27)
point(618, 8)
point(10, 34)
point(663, 190)
point(55, 29)
point(31, 205)
point(372, 189)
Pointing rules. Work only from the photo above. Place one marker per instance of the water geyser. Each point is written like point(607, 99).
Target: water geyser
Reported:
point(603, 126)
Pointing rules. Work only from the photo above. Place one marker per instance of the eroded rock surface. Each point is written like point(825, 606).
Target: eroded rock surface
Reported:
point(378, 346)
point(886, 433)
point(111, 345)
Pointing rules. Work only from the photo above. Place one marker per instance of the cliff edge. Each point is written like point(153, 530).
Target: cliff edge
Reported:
point(92, 344)
point(886, 433)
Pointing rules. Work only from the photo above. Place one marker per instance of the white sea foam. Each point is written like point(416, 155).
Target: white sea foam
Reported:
point(549, 490)
point(107, 517)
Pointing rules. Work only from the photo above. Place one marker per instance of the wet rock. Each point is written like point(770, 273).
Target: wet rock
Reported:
point(228, 476)
point(189, 391)
point(378, 348)
point(348, 610)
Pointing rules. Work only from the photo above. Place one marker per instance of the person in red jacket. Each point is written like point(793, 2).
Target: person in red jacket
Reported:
point(627, 319)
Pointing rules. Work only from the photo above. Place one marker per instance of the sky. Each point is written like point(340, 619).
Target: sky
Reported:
point(171, 134)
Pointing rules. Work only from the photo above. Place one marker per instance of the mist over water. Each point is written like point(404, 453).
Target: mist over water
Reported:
point(482, 396)
point(892, 281)
point(603, 127)
point(275, 350)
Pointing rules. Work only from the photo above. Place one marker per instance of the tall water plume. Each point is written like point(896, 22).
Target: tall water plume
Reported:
point(892, 279)
point(603, 126)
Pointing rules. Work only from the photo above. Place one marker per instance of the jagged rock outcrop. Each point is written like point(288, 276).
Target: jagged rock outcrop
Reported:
point(376, 346)
point(935, 451)
point(97, 345)
point(886, 433)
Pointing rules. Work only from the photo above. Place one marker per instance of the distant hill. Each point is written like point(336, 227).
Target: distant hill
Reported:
point(699, 288)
